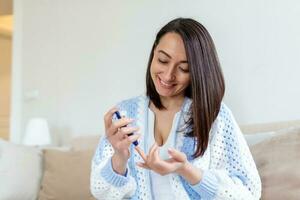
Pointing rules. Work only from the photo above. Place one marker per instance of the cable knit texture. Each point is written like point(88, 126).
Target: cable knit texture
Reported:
point(229, 171)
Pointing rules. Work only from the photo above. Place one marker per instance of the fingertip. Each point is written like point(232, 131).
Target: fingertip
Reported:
point(139, 164)
point(138, 133)
point(131, 119)
point(114, 109)
point(137, 136)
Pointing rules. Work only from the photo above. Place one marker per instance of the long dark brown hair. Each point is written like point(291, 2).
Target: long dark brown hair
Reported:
point(206, 88)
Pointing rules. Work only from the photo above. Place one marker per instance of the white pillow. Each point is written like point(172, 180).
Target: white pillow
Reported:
point(20, 171)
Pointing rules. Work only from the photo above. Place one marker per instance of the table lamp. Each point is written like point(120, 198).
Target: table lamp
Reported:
point(37, 133)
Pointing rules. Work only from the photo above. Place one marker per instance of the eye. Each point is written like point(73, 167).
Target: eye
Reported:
point(162, 61)
point(184, 70)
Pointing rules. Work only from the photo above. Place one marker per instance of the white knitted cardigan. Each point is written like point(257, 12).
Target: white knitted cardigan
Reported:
point(229, 171)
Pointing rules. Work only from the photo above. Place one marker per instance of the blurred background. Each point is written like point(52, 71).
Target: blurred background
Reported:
point(68, 62)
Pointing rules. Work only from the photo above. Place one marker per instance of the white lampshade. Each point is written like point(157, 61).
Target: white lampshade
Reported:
point(37, 132)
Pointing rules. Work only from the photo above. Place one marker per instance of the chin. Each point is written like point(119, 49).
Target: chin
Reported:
point(166, 94)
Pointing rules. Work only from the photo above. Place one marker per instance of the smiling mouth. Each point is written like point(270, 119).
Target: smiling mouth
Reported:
point(164, 84)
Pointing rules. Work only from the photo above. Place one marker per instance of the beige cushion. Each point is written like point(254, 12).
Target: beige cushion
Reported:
point(278, 163)
point(66, 175)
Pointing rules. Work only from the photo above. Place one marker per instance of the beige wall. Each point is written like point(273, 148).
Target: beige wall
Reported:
point(5, 78)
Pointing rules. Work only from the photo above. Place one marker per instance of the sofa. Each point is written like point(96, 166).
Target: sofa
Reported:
point(62, 173)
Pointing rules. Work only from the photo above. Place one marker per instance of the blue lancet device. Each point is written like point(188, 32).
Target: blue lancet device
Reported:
point(119, 117)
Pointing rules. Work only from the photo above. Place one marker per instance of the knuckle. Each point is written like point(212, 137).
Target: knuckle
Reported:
point(126, 120)
point(128, 139)
point(121, 131)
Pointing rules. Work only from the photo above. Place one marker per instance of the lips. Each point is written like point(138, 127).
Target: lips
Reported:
point(164, 84)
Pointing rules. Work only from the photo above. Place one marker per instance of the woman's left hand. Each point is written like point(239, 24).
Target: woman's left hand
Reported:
point(176, 163)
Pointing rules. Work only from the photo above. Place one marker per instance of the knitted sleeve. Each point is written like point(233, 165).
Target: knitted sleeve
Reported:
point(232, 173)
point(105, 183)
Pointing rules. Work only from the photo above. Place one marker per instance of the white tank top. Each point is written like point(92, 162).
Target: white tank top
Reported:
point(161, 185)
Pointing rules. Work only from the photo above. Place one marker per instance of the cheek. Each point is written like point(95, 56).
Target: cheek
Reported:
point(155, 68)
point(188, 79)
point(185, 79)
point(153, 72)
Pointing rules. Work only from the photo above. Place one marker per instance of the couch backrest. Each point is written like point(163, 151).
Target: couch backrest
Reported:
point(85, 142)
point(267, 127)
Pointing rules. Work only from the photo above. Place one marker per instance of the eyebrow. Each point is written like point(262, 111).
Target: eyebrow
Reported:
point(161, 51)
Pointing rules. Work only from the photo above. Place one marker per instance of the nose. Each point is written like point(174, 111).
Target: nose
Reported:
point(170, 75)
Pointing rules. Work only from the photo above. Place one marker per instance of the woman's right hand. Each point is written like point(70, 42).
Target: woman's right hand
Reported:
point(117, 135)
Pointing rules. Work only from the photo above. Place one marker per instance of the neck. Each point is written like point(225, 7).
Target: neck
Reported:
point(172, 103)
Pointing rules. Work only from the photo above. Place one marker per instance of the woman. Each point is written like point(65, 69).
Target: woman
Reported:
point(190, 146)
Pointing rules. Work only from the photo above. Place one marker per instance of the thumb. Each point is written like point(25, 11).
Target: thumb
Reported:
point(177, 155)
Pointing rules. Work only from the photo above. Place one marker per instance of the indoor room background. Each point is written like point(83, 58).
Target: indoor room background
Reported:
point(74, 60)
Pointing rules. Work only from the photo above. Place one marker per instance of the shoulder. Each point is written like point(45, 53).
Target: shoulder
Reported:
point(225, 122)
point(131, 105)
point(225, 114)
point(224, 110)
point(132, 100)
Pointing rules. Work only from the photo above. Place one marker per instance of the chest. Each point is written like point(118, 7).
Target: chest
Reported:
point(163, 123)
point(162, 127)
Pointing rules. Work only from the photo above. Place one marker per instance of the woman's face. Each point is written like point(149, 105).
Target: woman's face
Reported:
point(169, 68)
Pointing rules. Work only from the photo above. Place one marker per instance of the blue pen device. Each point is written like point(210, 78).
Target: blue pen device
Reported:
point(119, 117)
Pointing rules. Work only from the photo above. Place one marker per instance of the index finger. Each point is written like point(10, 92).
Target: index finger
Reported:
point(141, 153)
point(108, 116)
